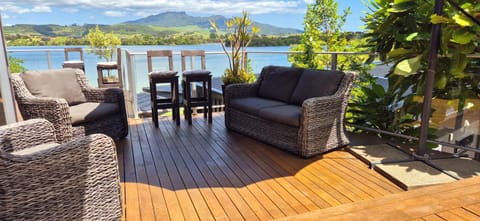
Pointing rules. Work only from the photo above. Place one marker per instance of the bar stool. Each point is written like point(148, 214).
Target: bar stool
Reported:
point(156, 77)
point(193, 76)
point(77, 64)
point(109, 66)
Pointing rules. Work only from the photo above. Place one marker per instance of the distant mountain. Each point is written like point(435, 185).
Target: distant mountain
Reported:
point(180, 19)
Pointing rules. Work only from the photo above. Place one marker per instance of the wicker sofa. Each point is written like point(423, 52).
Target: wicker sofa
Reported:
point(298, 110)
point(64, 98)
point(43, 180)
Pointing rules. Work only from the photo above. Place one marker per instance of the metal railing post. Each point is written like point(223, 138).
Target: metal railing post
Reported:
point(49, 60)
point(245, 62)
point(334, 62)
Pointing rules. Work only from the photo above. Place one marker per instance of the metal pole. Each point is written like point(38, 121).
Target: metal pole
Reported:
point(49, 60)
point(429, 82)
point(334, 62)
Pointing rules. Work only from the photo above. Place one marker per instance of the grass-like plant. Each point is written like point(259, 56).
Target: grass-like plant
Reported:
point(240, 31)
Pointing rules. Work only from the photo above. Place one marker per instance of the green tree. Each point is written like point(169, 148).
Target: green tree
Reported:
point(400, 32)
point(104, 44)
point(15, 65)
point(322, 32)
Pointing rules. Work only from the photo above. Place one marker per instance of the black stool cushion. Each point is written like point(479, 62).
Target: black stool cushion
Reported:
point(162, 74)
point(196, 73)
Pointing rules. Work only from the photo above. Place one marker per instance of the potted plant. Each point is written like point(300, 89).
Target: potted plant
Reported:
point(103, 45)
point(239, 34)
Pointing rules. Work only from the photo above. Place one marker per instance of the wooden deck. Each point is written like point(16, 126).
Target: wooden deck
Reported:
point(453, 201)
point(204, 172)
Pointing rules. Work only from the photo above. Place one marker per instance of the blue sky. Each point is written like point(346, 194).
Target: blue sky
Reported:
point(283, 13)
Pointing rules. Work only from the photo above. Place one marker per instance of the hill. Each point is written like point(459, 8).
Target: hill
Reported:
point(181, 19)
point(161, 29)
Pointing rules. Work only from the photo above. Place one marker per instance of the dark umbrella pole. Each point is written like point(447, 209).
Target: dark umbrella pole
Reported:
point(429, 82)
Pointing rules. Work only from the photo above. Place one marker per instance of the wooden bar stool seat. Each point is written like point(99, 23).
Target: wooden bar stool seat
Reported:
point(159, 77)
point(75, 64)
point(110, 80)
point(204, 77)
point(162, 74)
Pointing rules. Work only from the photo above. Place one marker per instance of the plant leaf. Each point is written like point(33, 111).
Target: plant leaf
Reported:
point(437, 19)
point(410, 37)
point(408, 67)
point(379, 90)
point(462, 20)
point(462, 36)
point(402, 6)
point(399, 52)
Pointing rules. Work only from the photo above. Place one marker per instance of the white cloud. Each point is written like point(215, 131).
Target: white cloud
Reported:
point(41, 8)
point(70, 10)
point(114, 13)
point(5, 16)
point(13, 7)
point(309, 1)
point(118, 7)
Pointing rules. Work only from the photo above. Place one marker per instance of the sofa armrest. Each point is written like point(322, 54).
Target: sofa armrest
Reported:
point(323, 117)
point(18, 136)
point(55, 110)
point(74, 180)
point(321, 107)
point(104, 95)
point(239, 90)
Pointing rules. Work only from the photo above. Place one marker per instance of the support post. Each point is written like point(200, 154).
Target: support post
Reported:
point(334, 62)
point(49, 60)
point(429, 82)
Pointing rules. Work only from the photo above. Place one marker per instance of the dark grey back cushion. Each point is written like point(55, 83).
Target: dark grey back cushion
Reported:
point(278, 82)
point(61, 83)
point(316, 83)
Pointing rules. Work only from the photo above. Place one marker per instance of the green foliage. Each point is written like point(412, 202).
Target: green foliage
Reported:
point(322, 32)
point(103, 43)
point(400, 32)
point(372, 106)
point(15, 65)
point(260, 41)
point(238, 37)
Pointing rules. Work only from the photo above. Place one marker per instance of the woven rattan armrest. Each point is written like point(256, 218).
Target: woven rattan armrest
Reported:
point(240, 90)
point(55, 110)
point(321, 106)
point(18, 136)
point(79, 149)
point(74, 180)
point(104, 95)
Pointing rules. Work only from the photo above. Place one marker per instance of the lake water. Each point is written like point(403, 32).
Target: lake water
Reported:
point(216, 63)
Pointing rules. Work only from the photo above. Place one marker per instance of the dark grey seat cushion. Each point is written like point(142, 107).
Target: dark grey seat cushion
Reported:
point(253, 105)
point(285, 114)
point(316, 83)
point(87, 112)
point(278, 82)
point(55, 83)
point(162, 74)
point(195, 73)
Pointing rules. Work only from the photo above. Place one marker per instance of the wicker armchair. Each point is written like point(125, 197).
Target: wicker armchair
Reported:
point(43, 180)
point(75, 109)
point(320, 125)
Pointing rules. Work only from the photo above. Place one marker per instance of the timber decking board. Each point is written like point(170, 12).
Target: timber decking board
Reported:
point(452, 201)
point(205, 172)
